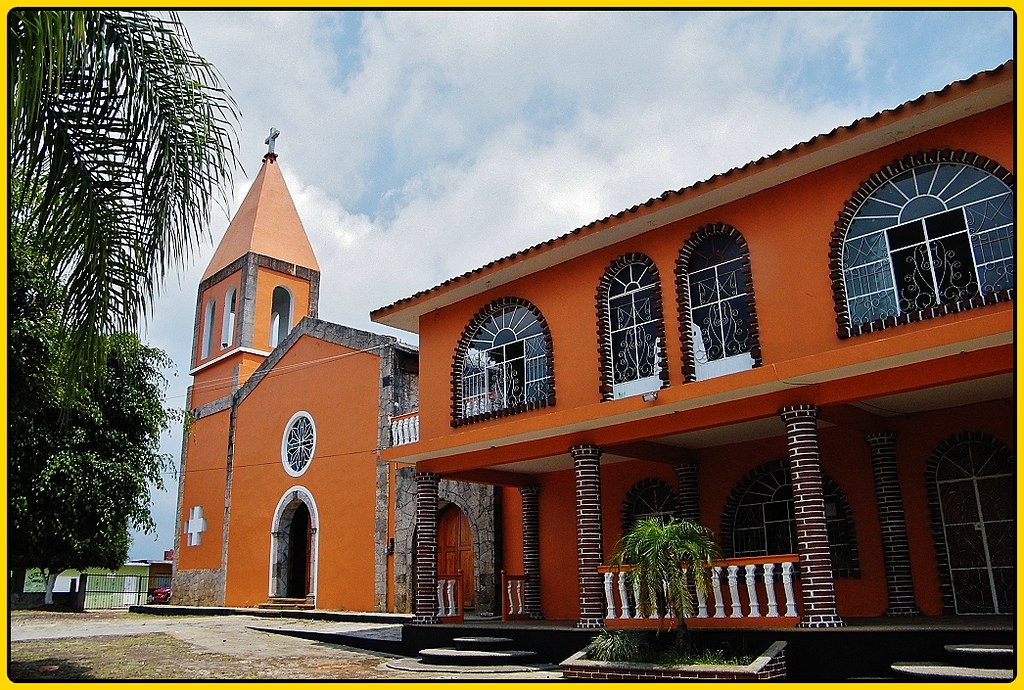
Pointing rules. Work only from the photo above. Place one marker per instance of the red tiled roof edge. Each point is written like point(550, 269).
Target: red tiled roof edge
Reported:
point(713, 179)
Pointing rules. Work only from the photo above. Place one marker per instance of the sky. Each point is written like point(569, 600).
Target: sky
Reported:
point(418, 145)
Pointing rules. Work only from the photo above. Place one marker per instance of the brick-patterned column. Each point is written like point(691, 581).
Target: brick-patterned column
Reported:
point(687, 497)
point(895, 546)
point(425, 602)
point(819, 593)
point(531, 549)
point(589, 542)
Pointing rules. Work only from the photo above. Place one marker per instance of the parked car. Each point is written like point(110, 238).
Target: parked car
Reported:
point(159, 595)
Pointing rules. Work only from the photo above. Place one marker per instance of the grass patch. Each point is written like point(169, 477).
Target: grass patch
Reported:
point(120, 657)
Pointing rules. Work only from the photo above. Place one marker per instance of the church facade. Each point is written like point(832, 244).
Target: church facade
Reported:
point(283, 497)
point(811, 354)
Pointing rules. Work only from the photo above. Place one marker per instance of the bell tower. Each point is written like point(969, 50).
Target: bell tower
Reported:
point(262, 279)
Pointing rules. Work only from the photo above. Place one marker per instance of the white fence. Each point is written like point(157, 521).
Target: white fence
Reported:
point(405, 429)
point(744, 592)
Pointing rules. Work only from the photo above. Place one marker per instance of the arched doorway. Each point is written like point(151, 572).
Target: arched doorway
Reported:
point(455, 550)
point(300, 536)
point(294, 546)
point(973, 475)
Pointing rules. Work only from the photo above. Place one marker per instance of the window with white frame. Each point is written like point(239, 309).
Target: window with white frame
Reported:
point(634, 325)
point(932, 235)
point(211, 308)
point(718, 307)
point(506, 362)
point(227, 334)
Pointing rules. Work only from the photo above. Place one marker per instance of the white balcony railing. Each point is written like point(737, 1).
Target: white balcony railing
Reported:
point(449, 598)
point(513, 605)
point(744, 592)
point(405, 429)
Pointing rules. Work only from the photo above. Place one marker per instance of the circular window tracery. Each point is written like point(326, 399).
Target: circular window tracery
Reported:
point(298, 443)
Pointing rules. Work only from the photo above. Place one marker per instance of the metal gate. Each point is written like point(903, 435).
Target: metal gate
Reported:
point(117, 591)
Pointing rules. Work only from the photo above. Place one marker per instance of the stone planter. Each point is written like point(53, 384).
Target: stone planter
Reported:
point(771, 665)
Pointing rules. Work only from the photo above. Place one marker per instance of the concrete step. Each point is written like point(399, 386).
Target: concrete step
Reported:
point(929, 670)
point(449, 656)
point(481, 643)
point(287, 604)
point(982, 655)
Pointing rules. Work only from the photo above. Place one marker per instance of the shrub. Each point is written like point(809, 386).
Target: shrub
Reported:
point(641, 646)
point(621, 645)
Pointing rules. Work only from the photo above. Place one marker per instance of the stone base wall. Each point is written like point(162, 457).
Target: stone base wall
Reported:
point(769, 666)
point(197, 588)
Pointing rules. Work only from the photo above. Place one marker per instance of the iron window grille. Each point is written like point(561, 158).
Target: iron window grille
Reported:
point(634, 326)
point(504, 365)
point(928, 235)
point(761, 521)
point(719, 318)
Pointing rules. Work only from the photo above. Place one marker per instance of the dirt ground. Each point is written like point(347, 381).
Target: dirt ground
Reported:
point(116, 645)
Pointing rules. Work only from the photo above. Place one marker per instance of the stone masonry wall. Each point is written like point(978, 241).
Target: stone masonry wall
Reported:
point(198, 588)
point(477, 501)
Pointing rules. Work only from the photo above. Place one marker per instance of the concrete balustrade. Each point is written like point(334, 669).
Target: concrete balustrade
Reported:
point(405, 429)
point(743, 592)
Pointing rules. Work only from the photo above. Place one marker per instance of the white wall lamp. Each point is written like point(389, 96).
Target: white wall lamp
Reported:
point(650, 396)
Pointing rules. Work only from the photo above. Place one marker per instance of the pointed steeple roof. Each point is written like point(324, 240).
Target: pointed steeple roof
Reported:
point(266, 223)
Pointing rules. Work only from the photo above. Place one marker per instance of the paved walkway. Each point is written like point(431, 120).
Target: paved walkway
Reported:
point(240, 636)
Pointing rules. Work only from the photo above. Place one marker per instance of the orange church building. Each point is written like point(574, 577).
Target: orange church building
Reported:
point(811, 354)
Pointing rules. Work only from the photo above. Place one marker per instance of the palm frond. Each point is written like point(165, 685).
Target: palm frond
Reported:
point(126, 138)
point(665, 559)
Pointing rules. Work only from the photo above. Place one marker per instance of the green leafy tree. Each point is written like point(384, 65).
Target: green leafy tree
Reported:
point(124, 139)
point(665, 558)
point(82, 458)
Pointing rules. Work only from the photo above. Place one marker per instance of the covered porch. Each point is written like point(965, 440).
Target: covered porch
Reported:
point(856, 535)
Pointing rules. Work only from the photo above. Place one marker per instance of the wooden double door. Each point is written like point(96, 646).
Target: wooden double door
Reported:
point(455, 550)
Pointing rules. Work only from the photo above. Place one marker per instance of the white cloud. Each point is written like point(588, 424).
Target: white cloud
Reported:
point(420, 145)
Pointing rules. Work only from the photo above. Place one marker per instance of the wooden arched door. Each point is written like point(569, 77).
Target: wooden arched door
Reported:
point(455, 550)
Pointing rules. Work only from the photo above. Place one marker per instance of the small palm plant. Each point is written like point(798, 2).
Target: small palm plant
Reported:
point(664, 559)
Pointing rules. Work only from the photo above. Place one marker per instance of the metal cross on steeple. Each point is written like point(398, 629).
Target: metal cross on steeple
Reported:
point(274, 134)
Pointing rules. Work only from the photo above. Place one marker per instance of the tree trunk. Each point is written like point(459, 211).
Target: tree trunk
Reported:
point(682, 637)
point(51, 580)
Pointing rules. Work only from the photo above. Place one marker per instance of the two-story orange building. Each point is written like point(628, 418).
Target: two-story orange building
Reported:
point(811, 354)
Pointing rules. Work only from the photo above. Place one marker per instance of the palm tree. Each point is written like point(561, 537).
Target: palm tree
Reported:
point(121, 140)
point(665, 558)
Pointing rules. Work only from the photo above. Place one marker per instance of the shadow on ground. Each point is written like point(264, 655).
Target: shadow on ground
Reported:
point(49, 668)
